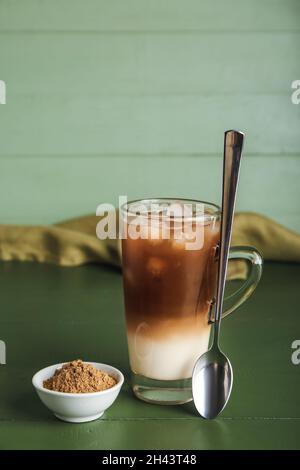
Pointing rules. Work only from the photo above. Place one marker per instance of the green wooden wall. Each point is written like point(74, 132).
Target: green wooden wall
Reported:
point(109, 97)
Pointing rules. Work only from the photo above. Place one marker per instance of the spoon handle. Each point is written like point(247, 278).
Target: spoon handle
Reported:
point(233, 145)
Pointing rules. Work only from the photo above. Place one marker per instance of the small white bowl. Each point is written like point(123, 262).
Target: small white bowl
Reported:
point(77, 407)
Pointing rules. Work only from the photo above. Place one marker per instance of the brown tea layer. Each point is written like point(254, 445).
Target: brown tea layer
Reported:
point(163, 280)
point(165, 329)
point(78, 377)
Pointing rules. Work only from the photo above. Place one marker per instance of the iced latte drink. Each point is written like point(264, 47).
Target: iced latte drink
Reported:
point(169, 258)
point(169, 272)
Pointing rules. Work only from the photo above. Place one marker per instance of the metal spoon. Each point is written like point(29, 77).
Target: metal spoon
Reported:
point(212, 374)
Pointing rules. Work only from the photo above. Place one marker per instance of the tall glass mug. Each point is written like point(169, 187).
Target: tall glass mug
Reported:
point(169, 258)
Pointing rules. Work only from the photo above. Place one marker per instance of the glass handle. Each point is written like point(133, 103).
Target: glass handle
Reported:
point(255, 264)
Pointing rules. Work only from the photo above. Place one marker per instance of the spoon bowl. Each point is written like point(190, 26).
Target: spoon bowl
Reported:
point(212, 383)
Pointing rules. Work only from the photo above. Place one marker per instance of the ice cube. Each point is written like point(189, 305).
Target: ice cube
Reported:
point(156, 266)
point(152, 232)
point(190, 238)
point(176, 210)
point(179, 243)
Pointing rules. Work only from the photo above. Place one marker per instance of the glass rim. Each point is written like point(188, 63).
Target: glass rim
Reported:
point(206, 216)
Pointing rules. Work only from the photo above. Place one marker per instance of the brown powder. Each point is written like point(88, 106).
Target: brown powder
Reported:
point(78, 377)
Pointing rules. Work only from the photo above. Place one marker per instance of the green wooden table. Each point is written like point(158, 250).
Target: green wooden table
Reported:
point(51, 314)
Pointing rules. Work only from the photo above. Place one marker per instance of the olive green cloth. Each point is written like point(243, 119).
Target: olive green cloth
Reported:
point(74, 242)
